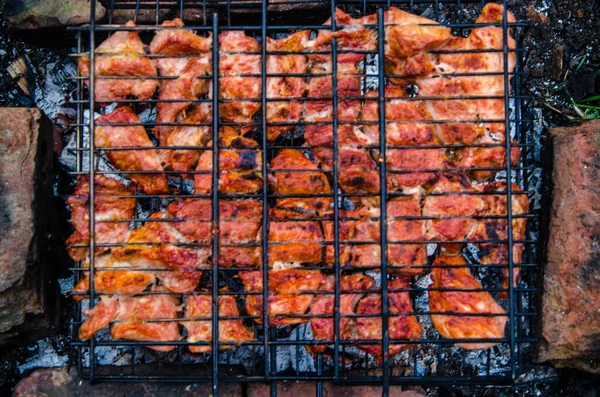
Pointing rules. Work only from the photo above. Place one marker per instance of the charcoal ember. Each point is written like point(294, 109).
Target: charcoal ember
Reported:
point(295, 389)
point(26, 157)
point(35, 14)
point(59, 382)
point(571, 294)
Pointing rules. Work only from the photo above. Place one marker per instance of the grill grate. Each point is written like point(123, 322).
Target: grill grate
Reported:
point(432, 359)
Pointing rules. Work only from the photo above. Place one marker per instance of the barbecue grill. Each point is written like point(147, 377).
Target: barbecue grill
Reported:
point(278, 353)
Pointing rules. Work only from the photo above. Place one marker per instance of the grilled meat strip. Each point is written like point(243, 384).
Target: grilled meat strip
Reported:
point(239, 227)
point(111, 135)
point(324, 303)
point(184, 56)
point(200, 306)
point(400, 324)
point(123, 57)
point(288, 294)
point(131, 315)
point(239, 59)
point(240, 165)
point(108, 210)
point(463, 302)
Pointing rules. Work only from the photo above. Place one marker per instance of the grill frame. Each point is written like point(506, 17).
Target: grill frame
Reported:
point(518, 334)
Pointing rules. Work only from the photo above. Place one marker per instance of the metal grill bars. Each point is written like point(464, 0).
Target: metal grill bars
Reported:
point(521, 312)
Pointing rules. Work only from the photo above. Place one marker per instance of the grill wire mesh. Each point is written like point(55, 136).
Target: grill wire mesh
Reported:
point(278, 353)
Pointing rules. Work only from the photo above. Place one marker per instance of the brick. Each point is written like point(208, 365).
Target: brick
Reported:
point(26, 158)
point(571, 293)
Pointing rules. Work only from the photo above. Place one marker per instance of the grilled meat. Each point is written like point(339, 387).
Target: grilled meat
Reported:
point(455, 276)
point(145, 159)
point(288, 297)
point(239, 228)
point(200, 306)
point(176, 47)
point(131, 315)
point(295, 175)
point(400, 324)
point(108, 210)
point(286, 111)
point(404, 256)
point(239, 57)
point(123, 57)
point(159, 244)
point(240, 166)
point(112, 281)
point(358, 233)
point(323, 304)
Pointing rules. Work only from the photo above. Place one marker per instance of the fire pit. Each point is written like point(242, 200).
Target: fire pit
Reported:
point(279, 352)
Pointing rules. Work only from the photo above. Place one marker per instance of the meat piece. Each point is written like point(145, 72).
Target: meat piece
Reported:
point(455, 276)
point(178, 95)
point(146, 159)
point(408, 168)
point(98, 317)
point(112, 281)
point(240, 166)
point(181, 44)
point(131, 321)
point(288, 294)
point(460, 207)
point(239, 55)
point(407, 44)
point(400, 324)
point(190, 132)
point(286, 87)
point(108, 210)
point(295, 175)
point(159, 244)
point(200, 306)
point(497, 229)
point(295, 242)
point(405, 255)
point(122, 56)
point(358, 234)
point(130, 315)
point(323, 304)
point(239, 228)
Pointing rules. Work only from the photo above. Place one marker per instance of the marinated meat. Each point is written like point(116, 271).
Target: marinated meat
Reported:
point(358, 233)
point(286, 87)
point(145, 159)
point(130, 315)
point(295, 175)
point(111, 205)
point(176, 47)
point(289, 295)
point(240, 165)
point(239, 60)
point(159, 244)
point(406, 256)
point(123, 57)
point(490, 319)
point(233, 330)
point(324, 303)
point(130, 322)
point(115, 279)
point(239, 228)
point(400, 324)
